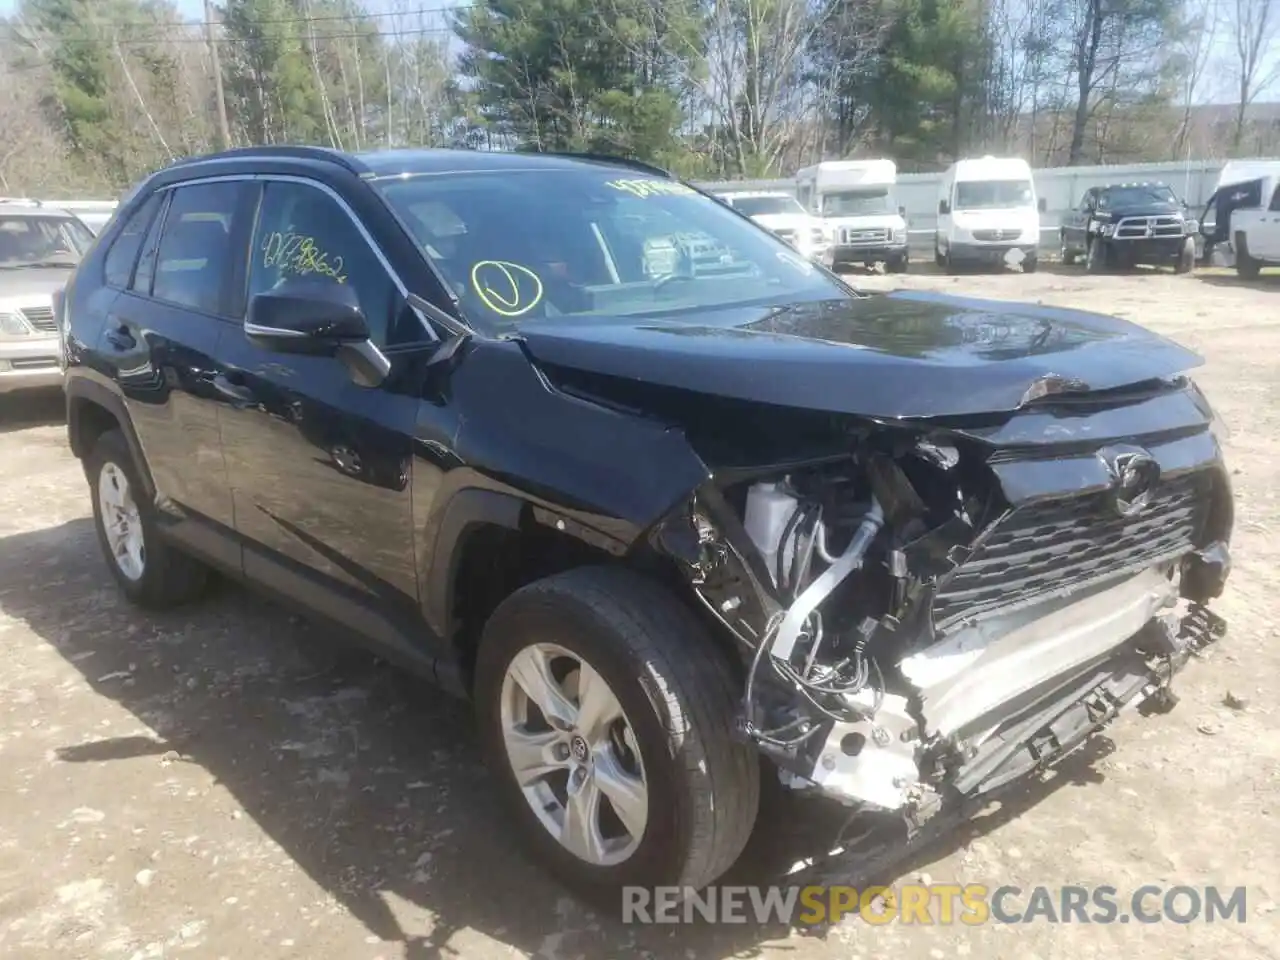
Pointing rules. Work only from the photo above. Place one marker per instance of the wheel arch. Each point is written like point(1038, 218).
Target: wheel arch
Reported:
point(92, 410)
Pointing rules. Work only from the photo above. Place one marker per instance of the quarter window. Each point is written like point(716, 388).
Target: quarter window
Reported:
point(118, 268)
point(1275, 199)
point(194, 263)
point(303, 233)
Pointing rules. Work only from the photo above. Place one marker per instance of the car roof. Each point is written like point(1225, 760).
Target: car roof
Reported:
point(388, 163)
point(23, 207)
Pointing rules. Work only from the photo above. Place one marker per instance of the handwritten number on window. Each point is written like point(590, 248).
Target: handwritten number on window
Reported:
point(301, 255)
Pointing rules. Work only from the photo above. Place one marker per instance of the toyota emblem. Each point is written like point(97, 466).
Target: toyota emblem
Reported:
point(1134, 475)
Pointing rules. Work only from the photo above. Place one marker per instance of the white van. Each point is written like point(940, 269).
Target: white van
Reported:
point(855, 199)
point(988, 214)
point(782, 214)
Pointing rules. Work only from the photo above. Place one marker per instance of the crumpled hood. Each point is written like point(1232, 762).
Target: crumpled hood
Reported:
point(887, 356)
point(25, 285)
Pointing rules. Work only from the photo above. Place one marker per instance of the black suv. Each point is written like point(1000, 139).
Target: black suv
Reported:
point(673, 523)
point(1126, 224)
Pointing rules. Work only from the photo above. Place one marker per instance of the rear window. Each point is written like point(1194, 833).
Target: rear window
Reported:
point(516, 247)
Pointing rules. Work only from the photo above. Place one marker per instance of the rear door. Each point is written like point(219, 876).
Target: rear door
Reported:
point(161, 340)
point(320, 466)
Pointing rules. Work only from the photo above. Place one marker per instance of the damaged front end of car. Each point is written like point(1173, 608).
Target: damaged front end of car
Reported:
point(930, 609)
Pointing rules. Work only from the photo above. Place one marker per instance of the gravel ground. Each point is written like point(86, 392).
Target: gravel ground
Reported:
point(231, 782)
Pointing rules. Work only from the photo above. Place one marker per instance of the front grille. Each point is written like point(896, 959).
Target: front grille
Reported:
point(1057, 547)
point(852, 236)
point(995, 236)
point(1144, 228)
point(40, 318)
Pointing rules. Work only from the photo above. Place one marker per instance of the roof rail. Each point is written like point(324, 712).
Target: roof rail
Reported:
point(24, 201)
point(291, 151)
point(610, 159)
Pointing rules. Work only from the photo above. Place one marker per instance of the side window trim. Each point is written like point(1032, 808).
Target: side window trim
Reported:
point(150, 245)
point(1274, 205)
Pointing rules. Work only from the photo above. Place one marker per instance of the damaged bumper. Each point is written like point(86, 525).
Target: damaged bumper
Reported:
point(924, 656)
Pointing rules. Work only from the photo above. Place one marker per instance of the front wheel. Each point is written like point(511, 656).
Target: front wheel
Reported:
point(1186, 257)
point(606, 714)
point(1096, 258)
point(897, 264)
point(1029, 264)
point(1068, 255)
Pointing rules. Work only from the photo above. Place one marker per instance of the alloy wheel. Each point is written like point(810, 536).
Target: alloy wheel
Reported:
point(121, 521)
point(574, 754)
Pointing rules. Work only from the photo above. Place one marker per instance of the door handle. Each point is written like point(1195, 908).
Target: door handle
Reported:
point(235, 392)
point(120, 337)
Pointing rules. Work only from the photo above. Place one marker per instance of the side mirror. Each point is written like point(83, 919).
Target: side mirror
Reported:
point(902, 212)
point(317, 317)
point(303, 316)
point(944, 208)
point(1042, 204)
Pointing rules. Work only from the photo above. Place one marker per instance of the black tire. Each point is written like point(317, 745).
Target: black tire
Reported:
point(1247, 268)
point(938, 259)
point(681, 699)
point(897, 264)
point(1095, 260)
point(1068, 255)
point(168, 577)
point(1029, 264)
point(1186, 261)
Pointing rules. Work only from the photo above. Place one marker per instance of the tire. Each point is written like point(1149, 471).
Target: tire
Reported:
point(1029, 264)
point(1247, 268)
point(156, 574)
point(1095, 260)
point(897, 265)
point(1186, 257)
point(938, 259)
point(1068, 255)
point(678, 697)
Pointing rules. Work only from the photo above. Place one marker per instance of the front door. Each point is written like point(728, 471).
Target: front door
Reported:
point(320, 466)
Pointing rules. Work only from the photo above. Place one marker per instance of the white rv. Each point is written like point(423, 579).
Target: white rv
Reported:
point(782, 214)
point(988, 213)
point(855, 199)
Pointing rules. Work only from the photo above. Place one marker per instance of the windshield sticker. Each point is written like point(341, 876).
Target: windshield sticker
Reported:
point(644, 189)
point(300, 254)
point(508, 289)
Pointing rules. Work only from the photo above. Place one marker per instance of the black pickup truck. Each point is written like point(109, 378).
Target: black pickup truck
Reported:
point(1126, 224)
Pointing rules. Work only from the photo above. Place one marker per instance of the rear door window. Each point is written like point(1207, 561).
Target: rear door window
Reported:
point(124, 249)
point(196, 266)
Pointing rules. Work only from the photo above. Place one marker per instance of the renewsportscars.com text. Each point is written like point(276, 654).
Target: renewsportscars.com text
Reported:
point(937, 903)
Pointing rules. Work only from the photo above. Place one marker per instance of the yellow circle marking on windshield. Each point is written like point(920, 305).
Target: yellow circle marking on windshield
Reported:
point(509, 300)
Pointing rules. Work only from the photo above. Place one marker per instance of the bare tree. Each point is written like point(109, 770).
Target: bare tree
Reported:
point(1255, 30)
point(1192, 49)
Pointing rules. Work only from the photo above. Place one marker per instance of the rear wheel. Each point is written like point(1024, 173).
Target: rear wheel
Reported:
point(1186, 257)
point(1247, 268)
point(150, 572)
point(606, 714)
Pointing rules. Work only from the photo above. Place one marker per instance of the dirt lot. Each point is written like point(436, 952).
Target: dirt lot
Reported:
point(228, 782)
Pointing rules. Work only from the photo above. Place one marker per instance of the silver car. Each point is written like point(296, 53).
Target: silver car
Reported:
point(39, 247)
